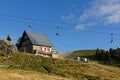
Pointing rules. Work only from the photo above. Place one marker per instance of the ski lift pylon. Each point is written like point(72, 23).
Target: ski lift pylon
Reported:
point(29, 24)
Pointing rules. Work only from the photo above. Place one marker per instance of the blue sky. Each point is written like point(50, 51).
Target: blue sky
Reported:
point(83, 24)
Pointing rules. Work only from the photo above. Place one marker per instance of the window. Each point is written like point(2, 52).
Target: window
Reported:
point(45, 49)
point(48, 49)
point(40, 48)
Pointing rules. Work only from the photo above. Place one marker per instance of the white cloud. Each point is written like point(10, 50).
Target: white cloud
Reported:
point(69, 18)
point(114, 18)
point(105, 11)
point(83, 26)
point(79, 27)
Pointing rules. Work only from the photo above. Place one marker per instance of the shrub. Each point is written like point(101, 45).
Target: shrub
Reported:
point(2, 53)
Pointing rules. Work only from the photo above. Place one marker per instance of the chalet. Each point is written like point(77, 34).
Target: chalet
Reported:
point(38, 44)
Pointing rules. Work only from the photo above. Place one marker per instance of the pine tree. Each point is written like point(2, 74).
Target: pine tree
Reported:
point(107, 57)
point(8, 38)
point(110, 55)
point(97, 54)
point(103, 56)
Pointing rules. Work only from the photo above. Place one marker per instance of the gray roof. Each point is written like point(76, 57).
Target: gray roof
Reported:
point(38, 39)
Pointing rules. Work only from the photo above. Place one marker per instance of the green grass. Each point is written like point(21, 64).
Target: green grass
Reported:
point(89, 54)
point(83, 53)
point(75, 70)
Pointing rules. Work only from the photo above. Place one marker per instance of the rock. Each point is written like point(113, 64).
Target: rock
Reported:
point(8, 46)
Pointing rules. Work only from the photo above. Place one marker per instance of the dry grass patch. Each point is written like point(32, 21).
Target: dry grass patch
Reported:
point(16, 74)
point(107, 72)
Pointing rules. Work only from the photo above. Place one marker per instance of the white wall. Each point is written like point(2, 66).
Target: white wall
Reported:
point(42, 48)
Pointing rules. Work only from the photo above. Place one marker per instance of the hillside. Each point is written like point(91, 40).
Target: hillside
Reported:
point(64, 54)
point(18, 74)
point(72, 70)
point(83, 53)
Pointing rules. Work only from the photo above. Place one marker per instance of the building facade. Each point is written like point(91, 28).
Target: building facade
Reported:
point(36, 43)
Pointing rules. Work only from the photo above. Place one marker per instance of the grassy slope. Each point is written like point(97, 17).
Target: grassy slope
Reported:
point(65, 68)
point(17, 74)
point(83, 53)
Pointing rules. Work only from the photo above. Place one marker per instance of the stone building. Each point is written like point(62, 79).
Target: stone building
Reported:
point(38, 44)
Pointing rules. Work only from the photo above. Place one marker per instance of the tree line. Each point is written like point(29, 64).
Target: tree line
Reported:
point(112, 56)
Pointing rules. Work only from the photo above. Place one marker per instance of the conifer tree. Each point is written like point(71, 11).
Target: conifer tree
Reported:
point(97, 54)
point(8, 38)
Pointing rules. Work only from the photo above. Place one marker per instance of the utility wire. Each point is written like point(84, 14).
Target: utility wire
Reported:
point(62, 28)
point(25, 21)
point(52, 21)
point(35, 19)
point(53, 26)
point(91, 31)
